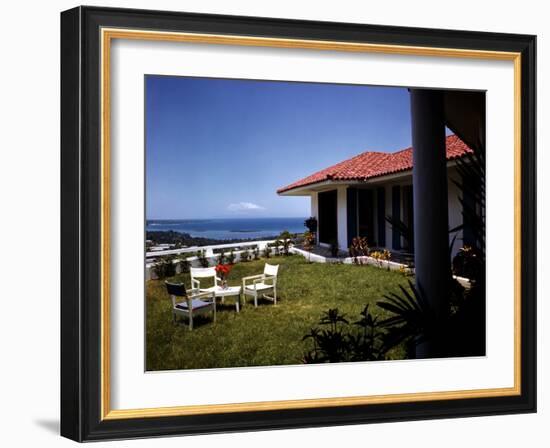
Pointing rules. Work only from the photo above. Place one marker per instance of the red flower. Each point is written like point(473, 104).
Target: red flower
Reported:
point(223, 270)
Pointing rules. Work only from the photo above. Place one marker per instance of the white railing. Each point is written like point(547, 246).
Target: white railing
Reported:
point(208, 249)
point(208, 253)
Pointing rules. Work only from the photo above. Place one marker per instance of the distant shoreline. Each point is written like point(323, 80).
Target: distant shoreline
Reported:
point(218, 231)
point(242, 218)
point(185, 239)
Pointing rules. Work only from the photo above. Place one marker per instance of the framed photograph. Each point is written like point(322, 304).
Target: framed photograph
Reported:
point(273, 223)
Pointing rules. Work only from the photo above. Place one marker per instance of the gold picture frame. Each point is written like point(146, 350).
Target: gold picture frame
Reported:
point(106, 29)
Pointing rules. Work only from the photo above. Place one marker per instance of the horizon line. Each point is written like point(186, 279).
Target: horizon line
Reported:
point(241, 217)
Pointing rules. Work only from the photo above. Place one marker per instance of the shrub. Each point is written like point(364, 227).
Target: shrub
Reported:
point(405, 270)
point(286, 241)
point(457, 331)
point(256, 253)
point(358, 248)
point(184, 265)
point(311, 224)
point(309, 241)
point(380, 256)
point(467, 263)
point(165, 267)
point(203, 260)
point(222, 258)
point(245, 255)
point(231, 257)
point(277, 245)
point(267, 251)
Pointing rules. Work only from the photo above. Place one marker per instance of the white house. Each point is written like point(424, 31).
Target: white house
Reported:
point(354, 197)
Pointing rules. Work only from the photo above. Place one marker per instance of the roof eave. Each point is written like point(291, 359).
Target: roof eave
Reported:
point(306, 190)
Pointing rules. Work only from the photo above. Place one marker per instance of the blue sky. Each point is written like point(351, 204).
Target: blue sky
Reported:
point(219, 148)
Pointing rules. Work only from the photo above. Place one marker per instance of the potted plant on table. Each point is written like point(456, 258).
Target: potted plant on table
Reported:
point(223, 271)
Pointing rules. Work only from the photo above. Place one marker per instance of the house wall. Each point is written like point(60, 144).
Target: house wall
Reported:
point(455, 211)
point(389, 211)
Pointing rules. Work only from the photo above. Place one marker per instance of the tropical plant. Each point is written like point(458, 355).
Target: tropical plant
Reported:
point(165, 267)
point(267, 251)
point(309, 240)
point(184, 264)
point(329, 345)
point(368, 345)
point(308, 243)
point(203, 259)
point(245, 255)
point(337, 340)
point(381, 256)
point(413, 321)
point(231, 257)
point(311, 224)
point(277, 246)
point(359, 248)
point(471, 168)
point(222, 257)
point(256, 253)
point(458, 330)
point(467, 263)
point(405, 270)
point(286, 241)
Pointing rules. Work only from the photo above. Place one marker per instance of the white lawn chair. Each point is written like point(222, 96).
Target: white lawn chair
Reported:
point(194, 303)
point(199, 273)
point(258, 285)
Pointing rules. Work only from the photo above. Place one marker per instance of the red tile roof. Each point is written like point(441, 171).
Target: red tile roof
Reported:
point(373, 164)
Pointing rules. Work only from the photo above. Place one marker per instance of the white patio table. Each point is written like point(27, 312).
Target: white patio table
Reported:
point(228, 292)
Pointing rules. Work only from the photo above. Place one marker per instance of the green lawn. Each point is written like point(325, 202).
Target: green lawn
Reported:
point(267, 335)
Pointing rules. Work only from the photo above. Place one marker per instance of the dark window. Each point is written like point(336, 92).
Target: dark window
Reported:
point(365, 215)
point(328, 224)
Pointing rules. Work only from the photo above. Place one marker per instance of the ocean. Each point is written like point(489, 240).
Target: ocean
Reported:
point(229, 229)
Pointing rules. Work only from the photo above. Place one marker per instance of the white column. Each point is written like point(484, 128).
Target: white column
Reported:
point(342, 217)
point(314, 205)
point(431, 217)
